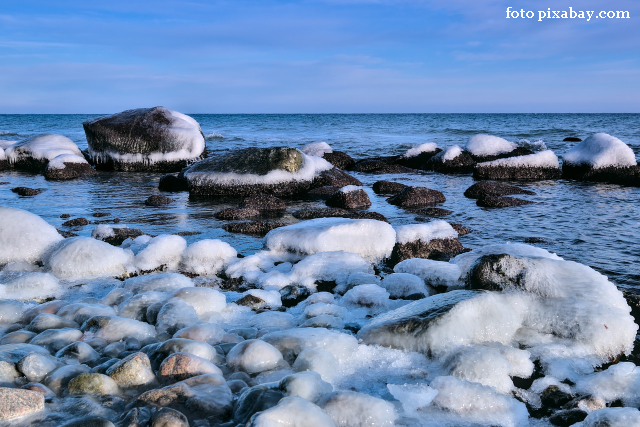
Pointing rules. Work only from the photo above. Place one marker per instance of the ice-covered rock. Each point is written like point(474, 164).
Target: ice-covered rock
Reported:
point(180, 366)
point(24, 236)
point(207, 332)
point(368, 295)
point(401, 285)
point(613, 417)
point(136, 306)
point(207, 257)
point(67, 166)
point(115, 328)
point(80, 312)
point(531, 167)
point(292, 342)
point(145, 139)
point(280, 171)
point(292, 411)
point(163, 282)
point(433, 240)
point(371, 239)
point(349, 197)
point(36, 366)
point(254, 356)
point(174, 315)
point(306, 384)
point(162, 252)
point(484, 147)
point(205, 301)
point(36, 152)
point(348, 408)
point(93, 384)
point(328, 269)
point(31, 286)
point(132, 371)
point(452, 160)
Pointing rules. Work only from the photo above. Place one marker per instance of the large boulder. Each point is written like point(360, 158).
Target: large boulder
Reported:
point(144, 139)
point(67, 166)
point(417, 157)
point(532, 167)
point(16, 403)
point(279, 171)
point(495, 189)
point(349, 197)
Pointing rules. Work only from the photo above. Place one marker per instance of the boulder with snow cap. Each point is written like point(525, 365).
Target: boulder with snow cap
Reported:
point(34, 153)
point(145, 139)
point(451, 160)
point(434, 240)
point(349, 197)
point(417, 157)
point(532, 167)
point(486, 148)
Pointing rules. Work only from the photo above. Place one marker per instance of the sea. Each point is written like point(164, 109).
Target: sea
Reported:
point(590, 223)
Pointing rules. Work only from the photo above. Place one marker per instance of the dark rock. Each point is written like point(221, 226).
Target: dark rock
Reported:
point(167, 417)
point(484, 171)
point(633, 300)
point(628, 176)
point(553, 397)
point(4, 183)
point(311, 213)
point(419, 161)
point(367, 215)
point(462, 163)
point(388, 187)
point(100, 214)
point(235, 284)
point(259, 228)
point(264, 203)
point(26, 191)
point(355, 199)
point(89, 421)
point(340, 160)
point(70, 171)
point(121, 234)
point(572, 139)
point(519, 151)
point(158, 200)
point(433, 212)
point(321, 193)
point(137, 417)
point(460, 229)
point(497, 272)
point(537, 240)
point(496, 189)
point(76, 222)
point(416, 197)
point(380, 166)
point(141, 131)
point(236, 213)
point(437, 249)
point(568, 417)
point(252, 302)
point(334, 178)
point(255, 399)
point(501, 202)
point(65, 216)
point(292, 295)
point(173, 183)
point(187, 233)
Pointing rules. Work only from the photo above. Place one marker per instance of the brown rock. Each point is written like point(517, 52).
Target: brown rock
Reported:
point(339, 159)
point(437, 249)
point(252, 302)
point(121, 234)
point(367, 215)
point(16, 403)
point(335, 178)
point(381, 166)
point(501, 202)
point(311, 213)
point(433, 212)
point(158, 200)
point(237, 213)
point(264, 203)
point(486, 171)
point(180, 366)
point(70, 171)
point(259, 228)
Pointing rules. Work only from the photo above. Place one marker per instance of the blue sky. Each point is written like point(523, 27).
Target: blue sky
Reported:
point(327, 56)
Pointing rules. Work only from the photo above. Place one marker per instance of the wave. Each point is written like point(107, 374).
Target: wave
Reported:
point(214, 135)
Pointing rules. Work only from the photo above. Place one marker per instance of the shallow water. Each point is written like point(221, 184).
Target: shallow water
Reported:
point(590, 223)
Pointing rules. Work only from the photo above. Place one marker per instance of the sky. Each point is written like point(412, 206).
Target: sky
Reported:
point(322, 56)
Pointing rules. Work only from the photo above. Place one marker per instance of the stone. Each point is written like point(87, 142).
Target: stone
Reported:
point(366, 215)
point(433, 212)
point(339, 159)
point(173, 183)
point(237, 213)
point(89, 421)
point(252, 302)
point(553, 397)
point(572, 139)
point(180, 366)
point(436, 249)
point(158, 200)
point(44, 321)
point(460, 229)
point(76, 222)
point(518, 151)
point(55, 339)
point(58, 379)
point(462, 163)
point(516, 173)
point(567, 417)
point(78, 352)
point(629, 176)
point(120, 234)
point(264, 203)
point(417, 162)
point(167, 417)
point(35, 153)
point(311, 213)
point(292, 295)
point(259, 228)
point(497, 272)
point(354, 199)
point(379, 166)
point(100, 214)
point(16, 403)
point(253, 400)
point(145, 139)
point(416, 197)
point(501, 202)
point(71, 170)
point(17, 337)
point(94, 384)
point(26, 191)
point(388, 187)
point(334, 178)
point(321, 193)
point(495, 189)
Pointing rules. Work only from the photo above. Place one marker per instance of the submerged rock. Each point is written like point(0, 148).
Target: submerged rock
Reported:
point(116, 235)
point(76, 222)
point(132, 371)
point(90, 383)
point(158, 200)
point(145, 139)
point(237, 213)
point(311, 213)
point(572, 139)
point(265, 204)
point(416, 197)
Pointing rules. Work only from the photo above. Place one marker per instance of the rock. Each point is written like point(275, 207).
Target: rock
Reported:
point(349, 197)
point(161, 351)
point(14, 352)
point(380, 166)
point(26, 191)
point(264, 203)
point(39, 388)
point(553, 397)
point(501, 202)
point(292, 295)
point(419, 161)
point(292, 411)
point(460, 229)
point(518, 151)
point(17, 337)
point(388, 187)
point(137, 417)
point(120, 234)
point(158, 200)
point(173, 183)
point(78, 352)
point(167, 417)
point(321, 193)
point(55, 339)
point(252, 302)
point(58, 379)
point(339, 159)
point(91, 383)
point(44, 321)
point(349, 408)
point(433, 212)
point(65, 216)
point(132, 371)
point(259, 228)
point(334, 178)
point(16, 403)
point(8, 373)
point(416, 197)
point(495, 189)
point(146, 139)
point(74, 167)
point(451, 160)
point(436, 249)
point(572, 139)
point(633, 301)
point(280, 171)
point(76, 222)
point(567, 417)
point(254, 356)
point(366, 215)
point(256, 399)
point(33, 154)
point(89, 421)
point(180, 366)
point(533, 167)
point(116, 328)
point(311, 213)
point(497, 272)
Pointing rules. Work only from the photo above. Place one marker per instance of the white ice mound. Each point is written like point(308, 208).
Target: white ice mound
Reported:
point(427, 147)
point(433, 273)
point(612, 417)
point(254, 356)
point(292, 411)
point(402, 284)
point(488, 145)
point(452, 152)
point(31, 286)
point(58, 162)
point(601, 150)
point(543, 159)
point(207, 257)
point(293, 341)
point(317, 149)
point(371, 239)
point(164, 282)
point(438, 229)
point(335, 266)
point(348, 408)
point(80, 258)
point(161, 251)
point(43, 147)
point(24, 236)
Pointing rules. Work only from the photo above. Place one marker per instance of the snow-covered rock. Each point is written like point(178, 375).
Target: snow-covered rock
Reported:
point(36, 152)
point(24, 236)
point(531, 167)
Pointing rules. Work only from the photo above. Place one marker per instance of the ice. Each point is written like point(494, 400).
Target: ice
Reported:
point(324, 321)
point(350, 188)
point(601, 150)
point(307, 385)
point(58, 162)
point(37, 366)
point(43, 147)
point(115, 328)
point(437, 229)
point(317, 149)
point(81, 258)
point(292, 411)
point(413, 397)
point(321, 308)
point(371, 239)
point(451, 153)
point(348, 408)
point(335, 266)
point(164, 251)
point(24, 236)
point(253, 266)
point(174, 315)
point(271, 298)
point(489, 145)
point(612, 417)
point(427, 147)
point(205, 301)
point(205, 332)
point(136, 306)
point(273, 319)
point(369, 295)
point(543, 159)
point(433, 273)
point(31, 286)
point(293, 341)
point(403, 284)
point(621, 381)
point(484, 365)
point(207, 257)
point(163, 282)
point(80, 312)
point(317, 360)
point(254, 356)
point(10, 311)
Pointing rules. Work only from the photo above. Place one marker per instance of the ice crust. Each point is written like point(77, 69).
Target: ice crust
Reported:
point(601, 150)
point(489, 145)
point(43, 147)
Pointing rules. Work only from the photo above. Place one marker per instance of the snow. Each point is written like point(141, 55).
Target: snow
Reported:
point(24, 236)
point(80, 258)
point(413, 397)
point(311, 167)
point(207, 257)
point(369, 295)
point(427, 147)
point(205, 301)
point(621, 381)
point(543, 159)
point(371, 239)
point(161, 251)
point(437, 229)
point(293, 341)
point(205, 332)
point(489, 145)
point(403, 284)
point(58, 162)
point(317, 149)
point(270, 297)
point(350, 188)
point(254, 356)
point(44, 147)
point(601, 150)
point(307, 385)
point(451, 153)
point(31, 286)
point(115, 328)
point(612, 417)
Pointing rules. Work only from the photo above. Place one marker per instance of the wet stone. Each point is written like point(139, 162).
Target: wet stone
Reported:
point(356, 199)
point(237, 213)
point(339, 159)
point(415, 197)
point(495, 189)
point(501, 202)
point(388, 187)
point(158, 200)
point(259, 228)
point(26, 191)
point(312, 213)
point(76, 222)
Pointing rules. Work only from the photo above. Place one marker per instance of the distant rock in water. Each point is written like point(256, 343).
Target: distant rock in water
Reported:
point(280, 171)
point(388, 187)
point(76, 222)
point(572, 139)
point(26, 191)
point(335, 178)
point(381, 165)
point(497, 189)
point(349, 197)
point(259, 228)
point(452, 160)
point(532, 167)
point(146, 139)
point(158, 200)
point(501, 202)
point(417, 197)
point(417, 157)
point(485, 148)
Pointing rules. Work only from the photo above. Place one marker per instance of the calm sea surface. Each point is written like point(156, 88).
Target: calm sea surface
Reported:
point(595, 224)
